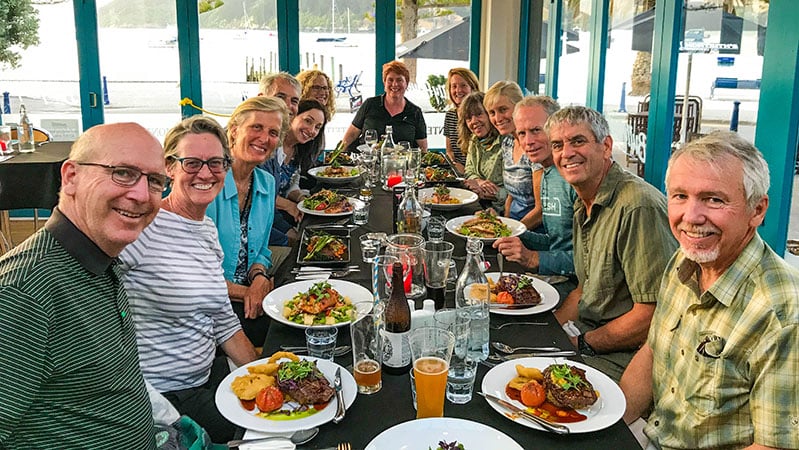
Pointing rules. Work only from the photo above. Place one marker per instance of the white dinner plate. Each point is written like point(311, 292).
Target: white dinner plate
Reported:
point(315, 172)
point(607, 410)
point(274, 301)
point(230, 406)
point(516, 227)
point(353, 201)
point(549, 298)
point(426, 433)
point(465, 196)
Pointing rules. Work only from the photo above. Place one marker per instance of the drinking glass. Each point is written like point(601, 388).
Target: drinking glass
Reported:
point(370, 137)
point(5, 139)
point(437, 256)
point(413, 164)
point(370, 245)
point(462, 367)
point(404, 145)
point(436, 228)
point(431, 350)
point(382, 266)
point(360, 213)
point(367, 347)
point(408, 248)
point(321, 341)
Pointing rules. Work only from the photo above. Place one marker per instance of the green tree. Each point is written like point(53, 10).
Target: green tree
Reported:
point(19, 29)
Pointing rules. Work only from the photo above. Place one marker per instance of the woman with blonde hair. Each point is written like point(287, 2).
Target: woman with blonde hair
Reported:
point(523, 202)
point(391, 108)
point(460, 83)
point(316, 85)
point(245, 209)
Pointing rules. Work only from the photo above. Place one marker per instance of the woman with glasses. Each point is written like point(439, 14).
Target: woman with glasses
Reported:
point(483, 146)
point(176, 286)
point(245, 209)
point(391, 108)
point(316, 85)
point(523, 202)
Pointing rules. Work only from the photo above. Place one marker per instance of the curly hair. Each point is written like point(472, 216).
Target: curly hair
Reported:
point(307, 78)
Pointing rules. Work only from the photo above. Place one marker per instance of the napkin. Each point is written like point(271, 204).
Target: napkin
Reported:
point(269, 445)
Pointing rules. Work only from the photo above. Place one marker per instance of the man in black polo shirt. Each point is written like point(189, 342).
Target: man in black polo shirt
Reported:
point(68, 360)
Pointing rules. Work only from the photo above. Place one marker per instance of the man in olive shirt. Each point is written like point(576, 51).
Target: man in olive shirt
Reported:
point(622, 242)
point(68, 360)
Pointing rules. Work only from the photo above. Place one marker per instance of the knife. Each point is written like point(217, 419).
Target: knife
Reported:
point(532, 355)
point(340, 409)
point(549, 426)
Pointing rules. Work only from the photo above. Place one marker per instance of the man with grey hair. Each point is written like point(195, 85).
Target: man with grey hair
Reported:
point(283, 86)
point(68, 359)
point(721, 359)
point(550, 252)
point(621, 240)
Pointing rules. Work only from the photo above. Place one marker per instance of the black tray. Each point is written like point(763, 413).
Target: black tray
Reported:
point(341, 233)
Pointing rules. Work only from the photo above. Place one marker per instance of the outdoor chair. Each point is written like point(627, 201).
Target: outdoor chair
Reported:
point(348, 84)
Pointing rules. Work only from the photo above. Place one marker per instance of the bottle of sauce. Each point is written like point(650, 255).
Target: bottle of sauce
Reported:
point(396, 344)
point(472, 297)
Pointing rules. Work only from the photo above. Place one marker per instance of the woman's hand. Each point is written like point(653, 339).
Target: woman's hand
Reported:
point(254, 296)
point(294, 212)
point(488, 190)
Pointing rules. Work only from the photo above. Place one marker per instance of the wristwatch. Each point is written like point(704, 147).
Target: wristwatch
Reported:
point(257, 273)
point(583, 346)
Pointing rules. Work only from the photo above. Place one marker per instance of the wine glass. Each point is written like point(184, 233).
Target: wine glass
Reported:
point(370, 137)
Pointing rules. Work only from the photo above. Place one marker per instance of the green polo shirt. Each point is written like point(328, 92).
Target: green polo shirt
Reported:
point(620, 251)
point(68, 360)
point(725, 362)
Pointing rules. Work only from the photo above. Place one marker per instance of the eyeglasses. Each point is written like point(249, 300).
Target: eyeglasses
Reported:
point(575, 142)
point(194, 165)
point(128, 176)
point(321, 88)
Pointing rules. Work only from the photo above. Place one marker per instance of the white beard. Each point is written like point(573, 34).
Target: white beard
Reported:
point(701, 255)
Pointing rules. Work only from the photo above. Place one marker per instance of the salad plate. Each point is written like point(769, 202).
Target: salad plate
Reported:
point(277, 298)
point(455, 225)
point(426, 433)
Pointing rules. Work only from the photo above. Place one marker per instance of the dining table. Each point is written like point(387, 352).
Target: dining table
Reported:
point(370, 415)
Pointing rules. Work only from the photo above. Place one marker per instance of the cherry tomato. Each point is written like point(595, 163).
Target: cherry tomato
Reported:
point(533, 394)
point(269, 399)
point(321, 207)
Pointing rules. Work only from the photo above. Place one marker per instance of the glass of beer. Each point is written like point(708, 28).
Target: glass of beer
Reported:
point(367, 354)
point(431, 350)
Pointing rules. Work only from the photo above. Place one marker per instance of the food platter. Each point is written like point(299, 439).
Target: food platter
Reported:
point(230, 406)
point(274, 301)
point(465, 196)
point(516, 227)
point(607, 410)
point(341, 234)
point(426, 433)
point(316, 173)
point(549, 299)
point(443, 174)
point(353, 201)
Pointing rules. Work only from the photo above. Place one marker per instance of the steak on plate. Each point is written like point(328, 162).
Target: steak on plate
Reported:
point(303, 382)
point(567, 387)
point(520, 288)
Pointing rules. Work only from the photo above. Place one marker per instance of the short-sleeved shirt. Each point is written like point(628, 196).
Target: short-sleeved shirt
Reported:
point(68, 360)
point(179, 299)
point(518, 180)
point(450, 132)
point(620, 251)
point(725, 367)
point(408, 125)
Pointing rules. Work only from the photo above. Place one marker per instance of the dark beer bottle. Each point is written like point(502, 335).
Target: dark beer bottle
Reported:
point(396, 344)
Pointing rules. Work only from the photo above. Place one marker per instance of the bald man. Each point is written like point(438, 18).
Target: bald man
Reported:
point(68, 360)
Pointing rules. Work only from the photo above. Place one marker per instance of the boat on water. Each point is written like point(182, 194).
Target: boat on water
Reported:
point(331, 39)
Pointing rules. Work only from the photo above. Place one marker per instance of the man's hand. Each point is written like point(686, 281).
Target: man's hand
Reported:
point(254, 296)
point(295, 212)
point(513, 250)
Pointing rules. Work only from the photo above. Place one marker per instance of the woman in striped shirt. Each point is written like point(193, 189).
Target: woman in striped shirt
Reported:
point(460, 83)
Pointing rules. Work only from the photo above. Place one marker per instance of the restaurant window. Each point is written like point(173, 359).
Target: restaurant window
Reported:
point(628, 75)
point(576, 47)
point(431, 41)
point(238, 46)
point(139, 64)
point(46, 78)
point(338, 38)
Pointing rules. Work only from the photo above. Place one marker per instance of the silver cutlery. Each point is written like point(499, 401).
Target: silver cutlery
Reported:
point(496, 305)
point(321, 274)
point(505, 348)
point(338, 351)
point(549, 426)
point(308, 269)
point(298, 438)
point(341, 410)
point(499, 327)
point(493, 357)
point(550, 279)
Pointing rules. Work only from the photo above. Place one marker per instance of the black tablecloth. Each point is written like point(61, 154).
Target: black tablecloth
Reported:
point(32, 180)
point(369, 415)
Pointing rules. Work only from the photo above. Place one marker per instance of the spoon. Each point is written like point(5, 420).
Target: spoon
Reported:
point(298, 438)
point(505, 348)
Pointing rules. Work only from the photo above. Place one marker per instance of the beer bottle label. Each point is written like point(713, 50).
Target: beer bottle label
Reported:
point(396, 349)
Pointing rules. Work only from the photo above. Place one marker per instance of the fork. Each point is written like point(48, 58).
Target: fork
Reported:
point(499, 327)
point(344, 446)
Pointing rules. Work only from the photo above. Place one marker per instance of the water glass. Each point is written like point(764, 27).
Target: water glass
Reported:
point(437, 256)
point(382, 266)
point(413, 388)
point(462, 367)
point(367, 347)
point(431, 350)
point(436, 227)
point(360, 213)
point(321, 341)
point(452, 277)
point(409, 249)
point(370, 245)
